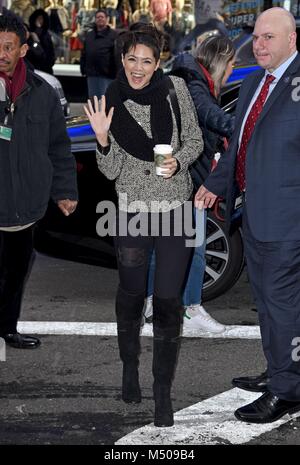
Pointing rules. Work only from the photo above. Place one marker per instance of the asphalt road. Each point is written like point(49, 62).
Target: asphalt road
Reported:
point(67, 392)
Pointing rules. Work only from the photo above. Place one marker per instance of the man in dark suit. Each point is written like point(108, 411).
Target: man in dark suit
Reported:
point(263, 162)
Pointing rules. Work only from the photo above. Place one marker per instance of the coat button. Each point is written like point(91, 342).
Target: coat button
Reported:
point(147, 172)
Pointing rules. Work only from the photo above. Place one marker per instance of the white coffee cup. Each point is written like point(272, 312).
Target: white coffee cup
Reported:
point(161, 153)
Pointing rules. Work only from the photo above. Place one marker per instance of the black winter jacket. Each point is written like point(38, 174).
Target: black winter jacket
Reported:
point(37, 163)
point(214, 122)
point(98, 55)
point(42, 54)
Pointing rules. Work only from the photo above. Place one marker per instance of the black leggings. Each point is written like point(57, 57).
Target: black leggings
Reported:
point(171, 254)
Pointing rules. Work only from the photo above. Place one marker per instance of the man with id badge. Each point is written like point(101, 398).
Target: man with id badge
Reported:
point(36, 164)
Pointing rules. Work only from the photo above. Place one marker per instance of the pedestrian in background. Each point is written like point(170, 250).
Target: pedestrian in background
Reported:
point(138, 115)
point(40, 37)
point(35, 164)
point(97, 60)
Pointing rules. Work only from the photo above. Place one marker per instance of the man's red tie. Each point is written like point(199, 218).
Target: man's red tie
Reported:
point(248, 129)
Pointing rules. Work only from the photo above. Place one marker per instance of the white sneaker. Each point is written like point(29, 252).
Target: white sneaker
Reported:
point(196, 317)
point(148, 309)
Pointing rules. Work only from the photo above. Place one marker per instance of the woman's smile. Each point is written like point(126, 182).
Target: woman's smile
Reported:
point(139, 66)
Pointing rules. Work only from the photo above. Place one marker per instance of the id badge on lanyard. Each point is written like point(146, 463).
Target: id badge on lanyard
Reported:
point(5, 129)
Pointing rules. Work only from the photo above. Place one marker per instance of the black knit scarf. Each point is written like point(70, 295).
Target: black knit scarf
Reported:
point(127, 132)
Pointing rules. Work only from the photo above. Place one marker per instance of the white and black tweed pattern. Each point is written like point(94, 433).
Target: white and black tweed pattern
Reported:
point(136, 180)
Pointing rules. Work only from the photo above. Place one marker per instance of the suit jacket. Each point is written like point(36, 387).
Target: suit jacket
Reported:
point(272, 162)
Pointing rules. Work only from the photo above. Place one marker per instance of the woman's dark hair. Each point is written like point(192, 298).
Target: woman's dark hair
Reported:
point(13, 24)
point(214, 53)
point(143, 34)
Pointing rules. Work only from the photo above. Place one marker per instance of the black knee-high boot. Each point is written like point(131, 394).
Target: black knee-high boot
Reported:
point(167, 317)
point(128, 311)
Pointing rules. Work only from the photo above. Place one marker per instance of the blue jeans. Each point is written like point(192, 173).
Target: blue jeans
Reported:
point(97, 85)
point(192, 293)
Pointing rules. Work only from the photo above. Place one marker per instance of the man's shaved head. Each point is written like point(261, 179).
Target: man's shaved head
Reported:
point(274, 38)
point(279, 14)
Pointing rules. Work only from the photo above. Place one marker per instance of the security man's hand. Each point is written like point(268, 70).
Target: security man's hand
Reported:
point(204, 198)
point(67, 206)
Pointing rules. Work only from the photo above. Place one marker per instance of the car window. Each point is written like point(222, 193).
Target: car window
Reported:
point(229, 97)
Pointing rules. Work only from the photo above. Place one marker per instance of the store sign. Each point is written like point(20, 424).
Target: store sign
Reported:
point(294, 7)
point(239, 14)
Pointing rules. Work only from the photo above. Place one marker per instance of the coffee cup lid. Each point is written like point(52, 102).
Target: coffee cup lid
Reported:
point(163, 148)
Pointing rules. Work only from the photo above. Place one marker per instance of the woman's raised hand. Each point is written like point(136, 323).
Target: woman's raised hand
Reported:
point(100, 122)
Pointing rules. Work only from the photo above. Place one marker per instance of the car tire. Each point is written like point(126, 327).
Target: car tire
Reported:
point(224, 258)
